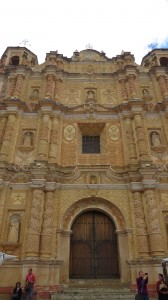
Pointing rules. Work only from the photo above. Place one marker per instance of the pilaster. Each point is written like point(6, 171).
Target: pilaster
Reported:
point(33, 239)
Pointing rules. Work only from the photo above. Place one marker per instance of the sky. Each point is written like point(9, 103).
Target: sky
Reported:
point(68, 25)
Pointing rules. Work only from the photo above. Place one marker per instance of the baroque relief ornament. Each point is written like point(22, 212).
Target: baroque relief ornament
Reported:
point(69, 132)
point(114, 132)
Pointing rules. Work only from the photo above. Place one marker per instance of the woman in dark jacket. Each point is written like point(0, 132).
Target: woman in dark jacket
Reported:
point(142, 282)
point(161, 288)
point(17, 292)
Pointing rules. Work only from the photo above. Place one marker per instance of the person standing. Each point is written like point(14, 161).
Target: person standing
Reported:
point(142, 282)
point(161, 288)
point(29, 284)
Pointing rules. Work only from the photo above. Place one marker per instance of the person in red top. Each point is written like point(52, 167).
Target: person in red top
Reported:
point(29, 284)
point(161, 288)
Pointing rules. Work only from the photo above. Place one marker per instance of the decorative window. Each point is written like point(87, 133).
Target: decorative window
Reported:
point(164, 61)
point(90, 144)
point(15, 60)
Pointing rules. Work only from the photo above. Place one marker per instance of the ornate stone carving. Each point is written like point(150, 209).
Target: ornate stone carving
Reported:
point(130, 141)
point(35, 92)
point(8, 136)
point(12, 86)
point(69, 133)
point(108, 96)
point(114, 132)
point(141, 140)
point(18, 198)
point(154, 231)
point(27, 142)
point(53, 142)
point(50, 85)
point(131, 84)
point(72, 96)
point(44, 135)
point(58, 88)
point(143, 244)
point(124, 92)
point(163, 86)
point(93, 203)
point(18, 86)
point(2, 128)
point(47, 226)
point(33, 239)
point(14, 229)
point(146, 94)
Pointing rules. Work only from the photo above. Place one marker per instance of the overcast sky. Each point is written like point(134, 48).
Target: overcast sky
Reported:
point(67, 25)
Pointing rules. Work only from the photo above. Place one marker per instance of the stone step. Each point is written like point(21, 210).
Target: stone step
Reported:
point(93, 293)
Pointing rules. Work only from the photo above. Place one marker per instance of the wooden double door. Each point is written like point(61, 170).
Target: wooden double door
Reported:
point(93, 247)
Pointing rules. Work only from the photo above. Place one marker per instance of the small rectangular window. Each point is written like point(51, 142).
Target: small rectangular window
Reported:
point(90, 144)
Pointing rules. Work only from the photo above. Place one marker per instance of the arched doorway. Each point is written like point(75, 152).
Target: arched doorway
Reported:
point(93, 247)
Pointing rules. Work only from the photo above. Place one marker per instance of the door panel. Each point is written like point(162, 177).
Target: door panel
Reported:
point(93, 250)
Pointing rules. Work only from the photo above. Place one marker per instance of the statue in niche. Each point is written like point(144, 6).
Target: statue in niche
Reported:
point(155, 139)
point(146, 95)
point(93, 179)
point(13, 235)
point(145, 92)
point(27, 140)
point(35, 93)
point(90, 96)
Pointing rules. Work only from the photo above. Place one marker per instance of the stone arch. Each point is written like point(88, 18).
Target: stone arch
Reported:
point(78, 208)
point(89, 204)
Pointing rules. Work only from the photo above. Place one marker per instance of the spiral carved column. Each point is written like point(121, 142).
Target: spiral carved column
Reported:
point(124, 92)
point(141, 140)
point(142, 236)
point(58, 88)
point(163, 85)
point(33, 239)
point(154, 231)
point(50, 85)
point(2, 128)
point(44, 136)
point(130, 141)
point(53, 142)
point(131, 85)
point(47, 225)
point(12, 86)
point(8, 138)
point(18, 85)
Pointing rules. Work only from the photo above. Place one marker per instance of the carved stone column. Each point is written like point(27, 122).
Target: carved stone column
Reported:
point(47, 226)
point(58, 88)
point(142, 235)
point(33, 238)
point(141, 140)
point(163, 85)
point(12, 86)
point(44, 136)
point(2, 128)
point(50, 85)
point(131, 84)
point(124, 93)
point(53, 142)
point(8, 138)
point(130, 141)
point(154, 231)
point(18, 86)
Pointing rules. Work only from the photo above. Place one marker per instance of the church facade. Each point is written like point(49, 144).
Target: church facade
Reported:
point(83, 166)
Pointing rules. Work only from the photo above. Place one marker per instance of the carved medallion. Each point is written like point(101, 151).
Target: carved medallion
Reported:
point(69, 132)
point(114, 132)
